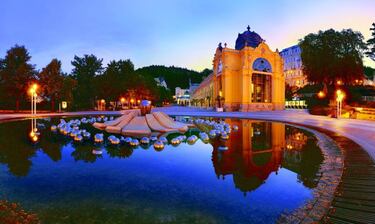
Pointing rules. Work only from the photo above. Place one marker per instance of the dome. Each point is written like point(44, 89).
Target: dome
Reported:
point(248, 38)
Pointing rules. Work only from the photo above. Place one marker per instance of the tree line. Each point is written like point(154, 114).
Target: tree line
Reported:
point(88, 82)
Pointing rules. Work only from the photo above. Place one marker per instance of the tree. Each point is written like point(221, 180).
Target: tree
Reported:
point(51, 80)
point(85, 70)
point(330, 56)
point(16, 74)
point(68, 87)
point(371, 44)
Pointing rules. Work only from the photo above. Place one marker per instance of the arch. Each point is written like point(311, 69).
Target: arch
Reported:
point(262, 65)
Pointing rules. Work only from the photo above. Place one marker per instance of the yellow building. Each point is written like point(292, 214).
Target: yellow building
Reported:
point(249, 77)
point(203, 95)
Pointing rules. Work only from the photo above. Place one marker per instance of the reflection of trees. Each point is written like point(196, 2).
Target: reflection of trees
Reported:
point(302, 156)
point(15, 148)
point(84, 153)
point(120, 152)
point(51, 144)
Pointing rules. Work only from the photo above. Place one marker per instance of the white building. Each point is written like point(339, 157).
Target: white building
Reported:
point(293, 66)
point(161, 82)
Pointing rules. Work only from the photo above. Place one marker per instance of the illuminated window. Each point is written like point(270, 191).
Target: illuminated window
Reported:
point(261, 88)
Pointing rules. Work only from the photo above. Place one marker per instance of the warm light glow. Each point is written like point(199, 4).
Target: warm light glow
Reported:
point(32, 134)
point(339, 82)
point(321, 94)
point(220, 93)
point(122, 99)
point(138, 101)
point(340, 95)
point(103, 101)
point(33, 88)
point(35, 138)
point(132, 101)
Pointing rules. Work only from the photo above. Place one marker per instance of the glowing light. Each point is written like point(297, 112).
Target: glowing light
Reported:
point(220, 93)
point(132, 101)
point(103, 101)
point(122, 99)
point(321, 94)
point(35, 138)
point(339, 82)
point(340, 95)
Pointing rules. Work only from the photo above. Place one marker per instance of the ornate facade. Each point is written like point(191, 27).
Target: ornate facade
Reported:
point(249, 77)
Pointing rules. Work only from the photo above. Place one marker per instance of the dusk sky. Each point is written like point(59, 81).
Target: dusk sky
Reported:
point(168, 32)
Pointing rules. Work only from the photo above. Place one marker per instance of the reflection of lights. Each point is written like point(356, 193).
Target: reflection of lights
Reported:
point(35, 138)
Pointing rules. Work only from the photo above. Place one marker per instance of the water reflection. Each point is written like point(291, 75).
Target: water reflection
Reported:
point(258, 149)
point(253, 152)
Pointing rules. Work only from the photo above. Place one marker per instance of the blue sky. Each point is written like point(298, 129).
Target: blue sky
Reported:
point(167, 32)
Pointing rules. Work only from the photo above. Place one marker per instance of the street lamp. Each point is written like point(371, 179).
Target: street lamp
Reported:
point(340, 95)
point(132, 101)
point(102, 104)
point(33, 94)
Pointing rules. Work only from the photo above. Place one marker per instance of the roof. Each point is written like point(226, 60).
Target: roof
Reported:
point(248, 38)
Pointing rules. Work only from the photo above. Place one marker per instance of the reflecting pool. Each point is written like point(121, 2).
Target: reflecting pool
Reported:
point(266, 170)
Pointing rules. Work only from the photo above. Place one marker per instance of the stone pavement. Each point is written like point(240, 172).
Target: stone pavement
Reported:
point(360, 131)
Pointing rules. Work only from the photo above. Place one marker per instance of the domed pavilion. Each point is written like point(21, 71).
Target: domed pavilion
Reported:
point(249, 77)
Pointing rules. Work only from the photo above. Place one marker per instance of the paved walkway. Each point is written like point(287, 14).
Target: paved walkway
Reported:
point(360, 131)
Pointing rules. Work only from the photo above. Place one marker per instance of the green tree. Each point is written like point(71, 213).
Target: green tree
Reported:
point(85, 70)
point(371, 44)
point(51, 80)
point(16, 74)
point(68, 87)
point(330, 55)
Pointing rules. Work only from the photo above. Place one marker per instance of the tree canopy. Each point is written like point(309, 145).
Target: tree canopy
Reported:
point(371, 44)
point(174, 76)
point(16, 74)
point(85, 69)
point(329, 56)
point(51, 80)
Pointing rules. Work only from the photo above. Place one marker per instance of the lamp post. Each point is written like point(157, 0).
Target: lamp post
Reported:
point(339, 97)
point(102, 104)
point(33, 94)
point(131, 101)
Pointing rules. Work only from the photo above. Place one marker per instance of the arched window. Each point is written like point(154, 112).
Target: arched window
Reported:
point(262, 65)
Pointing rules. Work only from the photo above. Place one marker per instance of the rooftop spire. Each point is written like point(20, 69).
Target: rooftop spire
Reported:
point(248, 28)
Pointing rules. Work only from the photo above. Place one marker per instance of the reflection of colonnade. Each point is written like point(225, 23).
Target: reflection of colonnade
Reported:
point(254, 152)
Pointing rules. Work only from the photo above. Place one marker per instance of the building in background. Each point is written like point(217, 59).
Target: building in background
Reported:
point(202, 96)
point(249, 77)
point(293, 73)
point(161, 82)
point(183, 96)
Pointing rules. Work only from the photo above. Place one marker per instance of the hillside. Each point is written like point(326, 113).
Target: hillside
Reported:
point(174, 76)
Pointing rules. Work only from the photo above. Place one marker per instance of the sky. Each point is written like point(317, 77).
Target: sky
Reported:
point(167, 32)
